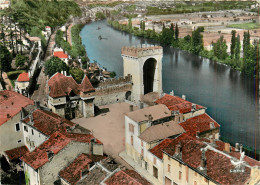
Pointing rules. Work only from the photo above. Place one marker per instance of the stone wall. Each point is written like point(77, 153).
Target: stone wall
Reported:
point(113, 91)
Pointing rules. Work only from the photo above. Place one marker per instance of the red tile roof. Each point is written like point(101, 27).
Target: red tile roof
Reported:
point(176, 103)
point(218, 165)
point(86, 85)
point(126, 177)
point(60, 54)
point(11, 103)
point(55, 143)
point(48, 122)
point(23, 77)
point(16, 152)
point(199, 124)
point(61, 85)
point(72, 173)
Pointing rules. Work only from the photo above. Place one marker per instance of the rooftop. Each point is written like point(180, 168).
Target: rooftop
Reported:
point(11, 104)
point(156, 111)
point(199, 124)
point(23, 77)
point(126, 177)
point(94, 177)
point(48, 122)
point(176, 103)
point(60, 54)
point(161, 131)
point(16, 153)
point(61, 85)
point(73, 172)
point(218, 164)
point(55, 143)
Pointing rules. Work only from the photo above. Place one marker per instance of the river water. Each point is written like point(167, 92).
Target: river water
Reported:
point(229, 98)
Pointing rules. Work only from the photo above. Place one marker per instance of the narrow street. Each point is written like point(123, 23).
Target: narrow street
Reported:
point(40, 91)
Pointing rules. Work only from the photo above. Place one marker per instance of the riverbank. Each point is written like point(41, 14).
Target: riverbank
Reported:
point(208, 83)
point(184, 44)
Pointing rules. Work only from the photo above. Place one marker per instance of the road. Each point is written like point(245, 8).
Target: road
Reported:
point(40, 91)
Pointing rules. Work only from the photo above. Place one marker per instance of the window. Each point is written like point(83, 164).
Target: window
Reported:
point(195, 183)
point(17, 127)
point(180, 165)
point(154, 160)
point(132, 140)
point(131, 128)
point(169, 168)
point(32, 132)
point(19, 141)
point(179, 175)
point(25, 128)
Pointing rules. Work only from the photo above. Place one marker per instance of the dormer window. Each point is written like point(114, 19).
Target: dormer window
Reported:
point(212, 125)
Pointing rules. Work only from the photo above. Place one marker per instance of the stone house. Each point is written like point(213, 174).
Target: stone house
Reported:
point(69, 99)
point(189, 160)
point(181, 107)
point(61, 55)
point(11, 105)
point(42, 165)
point(144, 129)
point(22, 83)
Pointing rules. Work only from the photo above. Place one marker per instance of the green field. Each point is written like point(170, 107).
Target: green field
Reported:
point(199, 7)
point(246, 26)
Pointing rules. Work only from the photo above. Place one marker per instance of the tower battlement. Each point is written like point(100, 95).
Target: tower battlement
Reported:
point(141, 50)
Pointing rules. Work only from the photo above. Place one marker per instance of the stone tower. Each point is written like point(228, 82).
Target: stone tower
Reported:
point(144, 64)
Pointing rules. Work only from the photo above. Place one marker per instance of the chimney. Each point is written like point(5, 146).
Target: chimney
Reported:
point(131, 108)
point(178, 149)
point(31, 118)
point(227, 147)
point(37, 104)
point(183, 97)
point(203, 162)
point(211, 139)
point(22, 113)
point(92, 142)
point(193, 107)
point(141, 105)
point(172, 93)
point(241, 148)
point(237, 147)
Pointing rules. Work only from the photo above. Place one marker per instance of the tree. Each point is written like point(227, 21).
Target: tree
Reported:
point(237, 48)
point(220, 48)
point(197, 40)
point(176, 32)
point(233, 43)
point(130, 24)
point(77, 74)
point(54, 65)
point(246, 45)
point(20, 60)
point(5, 59)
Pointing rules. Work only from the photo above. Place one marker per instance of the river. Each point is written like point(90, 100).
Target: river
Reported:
point(229, 98)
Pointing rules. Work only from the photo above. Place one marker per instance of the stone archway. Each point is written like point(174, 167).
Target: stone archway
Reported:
point(148, 74)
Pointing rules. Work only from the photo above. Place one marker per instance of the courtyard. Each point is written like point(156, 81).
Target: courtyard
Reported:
point(109, 128)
